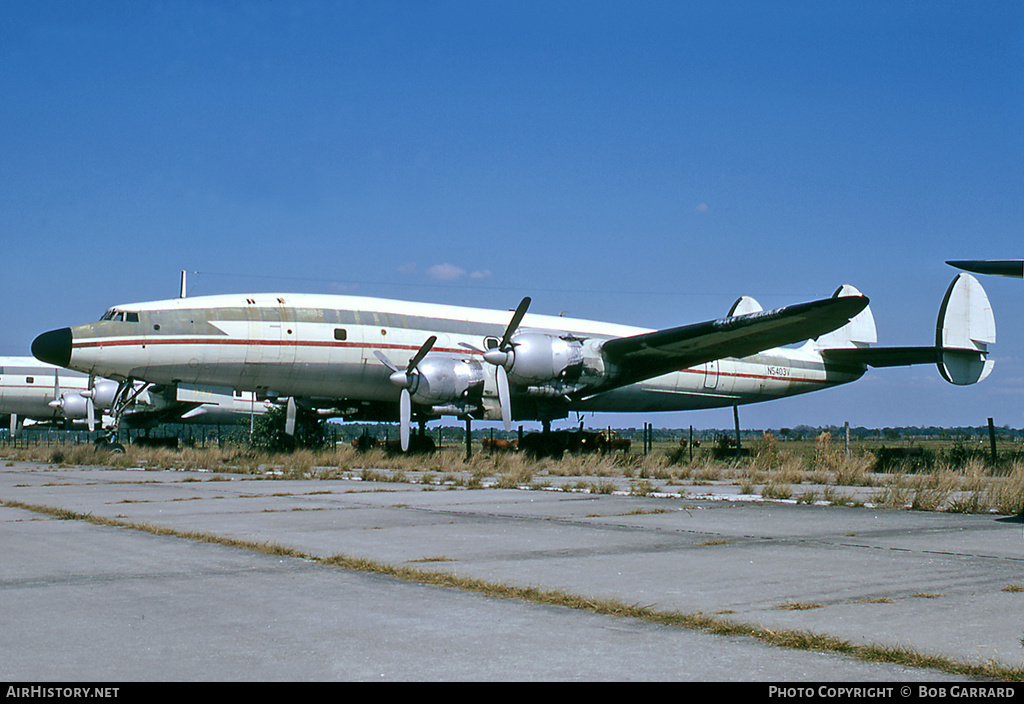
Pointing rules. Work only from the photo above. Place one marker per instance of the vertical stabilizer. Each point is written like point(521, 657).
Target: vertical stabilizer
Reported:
point(859, 332)
point(965, 328)
point(743, 306)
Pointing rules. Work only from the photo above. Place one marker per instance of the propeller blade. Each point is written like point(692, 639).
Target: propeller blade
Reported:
point(513, 324)
point(57, 401)
point(385, 361)
point(90, 404)
point(289, 417)
point(421, 353)
point(504, 398)
point(405, 418)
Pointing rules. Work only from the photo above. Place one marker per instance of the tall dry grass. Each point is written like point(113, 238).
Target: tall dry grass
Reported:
point(1006, 493)
point(973, 487)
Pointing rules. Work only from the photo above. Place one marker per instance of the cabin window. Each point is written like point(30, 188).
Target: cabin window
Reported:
point(340, 334)
point(491, 343)
point(131, 317)
point(30, 380)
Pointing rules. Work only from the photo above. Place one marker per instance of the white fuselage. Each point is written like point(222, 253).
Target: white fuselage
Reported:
point(321, 348)
point(27, 387)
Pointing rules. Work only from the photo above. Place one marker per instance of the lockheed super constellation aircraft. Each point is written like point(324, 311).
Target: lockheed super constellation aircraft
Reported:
point(377, 359)
point(35, 391)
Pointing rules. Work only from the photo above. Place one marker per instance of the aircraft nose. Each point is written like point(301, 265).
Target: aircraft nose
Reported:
point(53, 347)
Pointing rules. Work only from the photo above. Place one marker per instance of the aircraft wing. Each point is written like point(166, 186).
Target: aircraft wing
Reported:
point(148, 417)
point(996, 267)
point(652, 354)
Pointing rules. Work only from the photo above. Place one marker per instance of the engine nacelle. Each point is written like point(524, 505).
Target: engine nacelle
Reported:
point(538, 358)
point(103, 393)
point(74, 406)
point(440, 380)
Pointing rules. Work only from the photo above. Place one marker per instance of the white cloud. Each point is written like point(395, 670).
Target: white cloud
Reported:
point(702, 208)
point(445, 272)
point(485, 274)
point(408, 268)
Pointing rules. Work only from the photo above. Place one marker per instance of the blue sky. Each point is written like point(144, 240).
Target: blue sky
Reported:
point(643, 163)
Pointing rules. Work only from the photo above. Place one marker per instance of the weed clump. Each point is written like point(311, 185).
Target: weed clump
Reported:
point(1006, 494)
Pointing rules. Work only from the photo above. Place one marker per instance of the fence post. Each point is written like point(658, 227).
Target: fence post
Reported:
point(992, 438)
point(736, 419)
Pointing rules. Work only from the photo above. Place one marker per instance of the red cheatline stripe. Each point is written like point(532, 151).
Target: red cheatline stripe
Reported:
point(737, 375)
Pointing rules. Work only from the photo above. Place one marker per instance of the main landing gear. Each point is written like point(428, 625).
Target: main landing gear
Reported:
point(127, 391)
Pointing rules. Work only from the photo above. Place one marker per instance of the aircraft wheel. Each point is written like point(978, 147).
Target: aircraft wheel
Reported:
point(114, 447)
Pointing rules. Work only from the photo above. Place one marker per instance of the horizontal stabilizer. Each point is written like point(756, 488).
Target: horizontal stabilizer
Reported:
point(884, 356)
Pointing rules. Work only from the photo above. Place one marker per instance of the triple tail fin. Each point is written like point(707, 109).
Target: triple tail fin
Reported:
point(963, 331)
point(856, 334)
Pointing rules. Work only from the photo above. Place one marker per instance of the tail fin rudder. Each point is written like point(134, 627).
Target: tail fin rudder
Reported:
point(858, 333)
point(963, 332)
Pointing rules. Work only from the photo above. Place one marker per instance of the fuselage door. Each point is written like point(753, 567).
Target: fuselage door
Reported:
point(271, 345)
point(711, 374)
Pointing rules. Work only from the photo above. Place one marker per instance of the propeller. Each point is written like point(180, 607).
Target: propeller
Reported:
point(406, 379)
point(503, 357)
point(289, 417)
point(504, 354)
point(59, 401)
point(56, 402)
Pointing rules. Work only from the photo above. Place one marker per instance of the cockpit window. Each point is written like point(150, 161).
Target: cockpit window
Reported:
point(120, 316)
